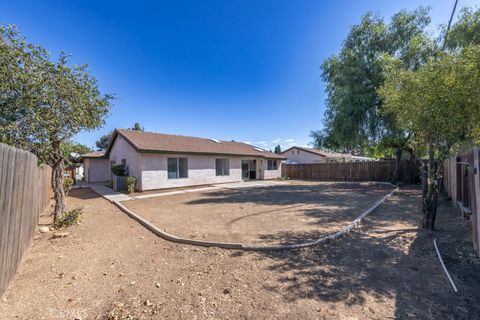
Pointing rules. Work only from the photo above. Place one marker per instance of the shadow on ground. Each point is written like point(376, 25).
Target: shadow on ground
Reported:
point(83, 193)
point(387, 260)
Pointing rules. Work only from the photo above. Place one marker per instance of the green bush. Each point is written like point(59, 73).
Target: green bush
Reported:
point(131, 182)
point(69, 218)
point(119, 170)
point(67, 184)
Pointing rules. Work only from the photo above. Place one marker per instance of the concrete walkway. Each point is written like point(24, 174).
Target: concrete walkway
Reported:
point(105, 191)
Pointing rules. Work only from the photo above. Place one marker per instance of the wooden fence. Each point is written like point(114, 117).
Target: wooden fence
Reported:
point(351, 171)
point(462, 182)
point(25, 191)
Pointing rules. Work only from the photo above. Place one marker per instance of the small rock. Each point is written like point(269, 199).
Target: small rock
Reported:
point(132, 283)
point(226, 291)
point(157, 284)
point(44, 229)
point(148, 303)
point(60, 235)
point(105, 273)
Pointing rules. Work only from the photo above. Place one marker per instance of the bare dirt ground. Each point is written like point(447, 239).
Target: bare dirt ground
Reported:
point(109, 267)
point(261, 215)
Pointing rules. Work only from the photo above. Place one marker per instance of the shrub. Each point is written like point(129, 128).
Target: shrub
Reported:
point(67, 184)
point(119, 170)
point(131, 182)
point(69, 218)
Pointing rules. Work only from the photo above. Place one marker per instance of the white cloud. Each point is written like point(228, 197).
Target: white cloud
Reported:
point(289, 140)
point(247, 142)
point(276, 141)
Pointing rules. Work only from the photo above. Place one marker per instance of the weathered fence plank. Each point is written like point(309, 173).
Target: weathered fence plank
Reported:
point(351, 171)
point(25, 192)
point(461, 180)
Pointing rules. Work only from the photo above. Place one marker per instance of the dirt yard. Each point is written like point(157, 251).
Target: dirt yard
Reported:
point(263, 214)
point(109, 267)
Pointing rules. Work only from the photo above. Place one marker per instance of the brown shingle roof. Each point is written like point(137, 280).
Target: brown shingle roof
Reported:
point(94, 154)
point(167, 143)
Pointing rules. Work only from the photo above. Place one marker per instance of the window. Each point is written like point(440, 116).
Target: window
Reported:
point(222, 167)
point(298, 151)
point(124, 162)
point(272, 164)
point(177, 168)
point(293, 151)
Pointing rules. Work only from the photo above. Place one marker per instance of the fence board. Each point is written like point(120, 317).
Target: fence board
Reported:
point(351, 171)
point(25, 191)
point(461, 181)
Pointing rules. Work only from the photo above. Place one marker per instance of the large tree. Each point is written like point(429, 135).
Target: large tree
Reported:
point(103, 142)
point(44, 103)
point(354, 121)
point(440, 104)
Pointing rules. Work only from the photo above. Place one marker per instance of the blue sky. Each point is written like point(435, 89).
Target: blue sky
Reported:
point(242, 70)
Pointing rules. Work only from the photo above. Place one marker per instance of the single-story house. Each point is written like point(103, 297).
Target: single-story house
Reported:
point(166, 161)
point(312, 155)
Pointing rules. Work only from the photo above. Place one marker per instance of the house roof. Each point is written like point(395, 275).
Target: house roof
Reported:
point(319, 152)
point(94, 154)
point(155, 142)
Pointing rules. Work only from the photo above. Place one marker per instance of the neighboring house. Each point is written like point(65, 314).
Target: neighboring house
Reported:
point(311, 155)
point(166, 161)
point(96, 167)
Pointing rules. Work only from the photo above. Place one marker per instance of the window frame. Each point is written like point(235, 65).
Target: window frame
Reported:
point(223, 161)
point(177, 168)
point(272, 164)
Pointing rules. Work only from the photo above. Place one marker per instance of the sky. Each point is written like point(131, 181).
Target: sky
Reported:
point(238, 70)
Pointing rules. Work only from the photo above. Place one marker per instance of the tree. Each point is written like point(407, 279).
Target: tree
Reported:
point(103, 142)
point(440, 104)
point(72, 151)
point(44, 103)
point(278, 149)
point(354, 121)
point(138, 127)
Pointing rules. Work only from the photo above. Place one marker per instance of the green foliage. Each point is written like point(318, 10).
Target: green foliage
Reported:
point(44, 102)
point(119, 170)
point(278, 149)
point(72, 150)
point(440, 102)
point(131, 182)
point(67, 185)
point(466, 31)
point(69, 218)
point(138, 127)
point(103, 142)
point(354, 121)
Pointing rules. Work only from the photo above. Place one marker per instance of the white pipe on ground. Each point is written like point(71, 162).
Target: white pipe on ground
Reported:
point(443, 265)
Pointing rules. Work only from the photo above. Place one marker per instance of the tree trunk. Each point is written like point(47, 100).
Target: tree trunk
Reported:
point(58, 172)
point(396, 172)
point(429, 191)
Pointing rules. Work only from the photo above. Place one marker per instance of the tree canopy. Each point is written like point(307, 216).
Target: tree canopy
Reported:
point(354, 121)
point(45, 102)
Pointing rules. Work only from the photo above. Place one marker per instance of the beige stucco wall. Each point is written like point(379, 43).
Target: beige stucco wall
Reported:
point(302, 156)
point(121, 149)
point(201, 170)
point(271, 174)
point(96, 169)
